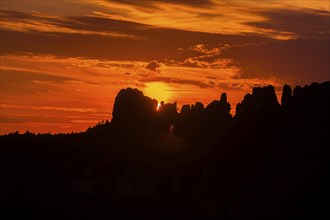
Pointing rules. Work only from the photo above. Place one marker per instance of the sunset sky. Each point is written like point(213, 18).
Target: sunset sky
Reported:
point(64, 61)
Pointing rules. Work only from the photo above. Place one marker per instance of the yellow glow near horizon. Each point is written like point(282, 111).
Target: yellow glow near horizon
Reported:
point(158, 90)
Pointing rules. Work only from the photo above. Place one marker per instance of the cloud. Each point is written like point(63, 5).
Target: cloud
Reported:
point(18, 76)
point(208, 57)
point(24, 22)
point(298, 61)
point(171, 80)
point(305, 23)
point(153, 4)
point(255, 56)
point(103, 38)
point(27, 83)
point(154, 66)
point(54, 108)
point(206, 49)
point(8, 14)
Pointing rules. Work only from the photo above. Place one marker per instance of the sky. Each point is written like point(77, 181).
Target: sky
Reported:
point(63, 62)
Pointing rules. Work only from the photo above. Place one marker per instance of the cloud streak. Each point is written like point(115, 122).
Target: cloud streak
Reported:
point(153, 4)
point(299, 61)
point(154, 66)
point(299, 23)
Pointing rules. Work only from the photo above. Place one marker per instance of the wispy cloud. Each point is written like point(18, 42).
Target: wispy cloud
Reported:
point(299, 61)
point(303, 23)
point(55, 108)
point(36, 22)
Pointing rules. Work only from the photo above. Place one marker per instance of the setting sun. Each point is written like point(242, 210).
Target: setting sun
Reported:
point(158, 105)
point(159, 91)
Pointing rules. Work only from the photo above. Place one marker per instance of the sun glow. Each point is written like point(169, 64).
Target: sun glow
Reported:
point(158, 106)
point(159, 91)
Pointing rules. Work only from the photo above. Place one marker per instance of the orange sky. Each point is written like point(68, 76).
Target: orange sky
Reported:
point(63, 62)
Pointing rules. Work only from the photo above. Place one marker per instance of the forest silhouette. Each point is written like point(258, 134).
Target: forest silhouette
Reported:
point(268, 161)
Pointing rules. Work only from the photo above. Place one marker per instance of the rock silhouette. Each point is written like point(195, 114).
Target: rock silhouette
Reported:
point(268, 161)
point(261, 103)
point(133, 110)
point(286, 99)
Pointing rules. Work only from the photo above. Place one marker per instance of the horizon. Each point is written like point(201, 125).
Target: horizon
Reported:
point(62, 64)
point(233, 111)
point(178, 109)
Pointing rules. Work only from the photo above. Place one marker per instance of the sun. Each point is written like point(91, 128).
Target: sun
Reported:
point(159, 91)
point(158, 106)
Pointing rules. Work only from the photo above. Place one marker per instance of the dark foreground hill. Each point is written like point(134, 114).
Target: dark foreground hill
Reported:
point(269, 161)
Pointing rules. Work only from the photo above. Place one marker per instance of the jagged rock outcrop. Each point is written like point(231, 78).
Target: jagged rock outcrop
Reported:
point(133, 110)
point(261, 103)
point(219, 111)
point(196, 122)
point(167, 116)
point(286, 99)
